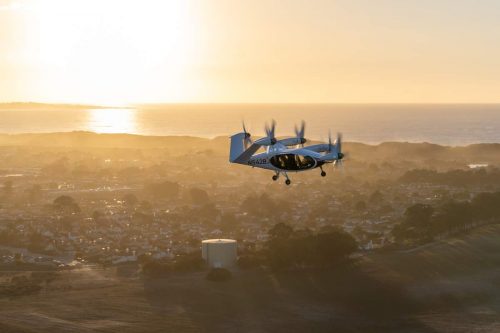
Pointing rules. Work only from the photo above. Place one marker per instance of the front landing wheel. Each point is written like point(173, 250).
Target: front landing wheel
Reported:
point(288, 182)
point(275, 177)
point(323, 174)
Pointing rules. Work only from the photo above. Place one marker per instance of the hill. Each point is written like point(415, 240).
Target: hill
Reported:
point(45, 106)
point(449, 286)
point(385, 152)
point(456, 281)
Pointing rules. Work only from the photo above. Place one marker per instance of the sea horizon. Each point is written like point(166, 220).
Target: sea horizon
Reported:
point(440, 123)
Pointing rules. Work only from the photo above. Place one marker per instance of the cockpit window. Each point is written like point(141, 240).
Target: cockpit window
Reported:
point(292, 162)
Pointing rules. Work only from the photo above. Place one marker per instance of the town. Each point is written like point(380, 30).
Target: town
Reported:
point(65, 205)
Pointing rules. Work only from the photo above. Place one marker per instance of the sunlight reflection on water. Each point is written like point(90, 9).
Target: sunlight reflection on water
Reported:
point(443, 124)
point(112, 120)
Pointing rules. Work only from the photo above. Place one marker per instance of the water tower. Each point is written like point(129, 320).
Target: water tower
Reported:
point(219, 253)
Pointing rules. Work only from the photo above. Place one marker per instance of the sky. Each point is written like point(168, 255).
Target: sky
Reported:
point(225, 51)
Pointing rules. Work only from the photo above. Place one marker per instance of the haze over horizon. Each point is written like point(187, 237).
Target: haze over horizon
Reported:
point(126, 52)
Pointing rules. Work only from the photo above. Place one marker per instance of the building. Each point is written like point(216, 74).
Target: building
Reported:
point(219, 253)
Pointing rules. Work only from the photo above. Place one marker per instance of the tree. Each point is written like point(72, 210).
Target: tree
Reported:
point(287, 248)
point(97, 214)
point(66, 223)
point(418, 215)
point(333, 247)
point(145, 206)
point(64, 200)
point(452, 215)
point(486, 205)
point(164, 190)
point(360, 206)
point(67, 204)
point(280, 231)
point(130, 200)
point(279, 250)
point(208, 211)
point(416, 224)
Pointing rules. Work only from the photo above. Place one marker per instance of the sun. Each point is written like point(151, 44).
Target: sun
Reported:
point(112, 51)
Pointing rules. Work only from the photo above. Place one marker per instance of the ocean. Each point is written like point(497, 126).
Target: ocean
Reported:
point(446, 124)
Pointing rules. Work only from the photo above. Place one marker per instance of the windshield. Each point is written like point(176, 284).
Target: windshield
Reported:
point(292, 162)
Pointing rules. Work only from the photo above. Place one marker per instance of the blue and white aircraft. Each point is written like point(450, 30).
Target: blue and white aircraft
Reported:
point(284, 155)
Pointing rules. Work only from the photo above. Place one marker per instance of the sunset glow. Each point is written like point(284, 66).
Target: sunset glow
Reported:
point(130, 51)
point(250, 166)
point(107, 52)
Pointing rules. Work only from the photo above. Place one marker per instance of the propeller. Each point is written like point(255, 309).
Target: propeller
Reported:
point(270, 131)
point(338, 144)
point(247, 140)
point(330, 141)
point(299, 133)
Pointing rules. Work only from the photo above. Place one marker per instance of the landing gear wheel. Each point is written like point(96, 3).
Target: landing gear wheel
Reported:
point(275, 177)
point(288, 182)
point(323, 174)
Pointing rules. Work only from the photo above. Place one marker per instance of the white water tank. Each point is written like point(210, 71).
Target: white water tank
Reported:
point(220, 253)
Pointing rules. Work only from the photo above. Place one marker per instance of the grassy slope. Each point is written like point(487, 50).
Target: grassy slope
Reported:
point(457, 281)
point(448, 286)
point(466, 254)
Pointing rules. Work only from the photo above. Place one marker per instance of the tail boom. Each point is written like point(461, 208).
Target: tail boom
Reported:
point(238, 153)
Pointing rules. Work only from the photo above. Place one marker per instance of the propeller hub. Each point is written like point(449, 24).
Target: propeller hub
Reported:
point(340, 156)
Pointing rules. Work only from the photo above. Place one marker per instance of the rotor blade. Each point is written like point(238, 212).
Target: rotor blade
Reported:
point(302, 129)
point(247, 141)
point(299, 133)
point(244, 128)
point(329, 140)
point(303, 132)
point(273, 128)
point(338, 142)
